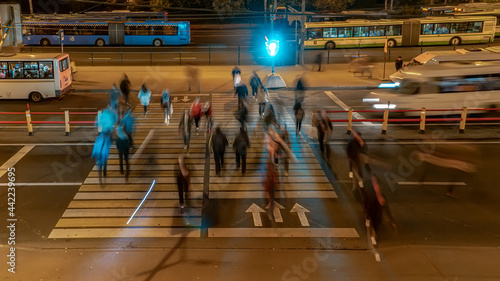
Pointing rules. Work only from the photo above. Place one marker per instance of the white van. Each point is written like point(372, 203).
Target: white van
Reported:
point(34, 76)
point(444, 86)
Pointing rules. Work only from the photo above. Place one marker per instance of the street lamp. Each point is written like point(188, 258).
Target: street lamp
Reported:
point(274, 80)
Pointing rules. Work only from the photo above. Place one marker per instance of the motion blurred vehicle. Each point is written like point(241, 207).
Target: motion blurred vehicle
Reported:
point(444, 86)
point(34, 76)
point(471, 55)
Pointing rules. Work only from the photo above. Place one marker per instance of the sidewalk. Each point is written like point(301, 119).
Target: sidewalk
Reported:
point(397, 263)
point(218, 78)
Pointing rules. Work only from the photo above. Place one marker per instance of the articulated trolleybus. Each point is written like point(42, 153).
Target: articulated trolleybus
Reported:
point(100, 33)
point(34, 76)
point(408, 32)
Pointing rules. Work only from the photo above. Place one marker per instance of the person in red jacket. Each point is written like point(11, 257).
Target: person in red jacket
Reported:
point(196, 113)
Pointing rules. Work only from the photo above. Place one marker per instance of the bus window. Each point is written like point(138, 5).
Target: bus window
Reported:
point(458, 27)
point(441, 29)
point(475, 27)
point(102, 30)
point(314, 33)
point(330, 32)
point(4, 71)
point(31, 70)
point(170, 30)
point(16, 70)
point(129, 30)
point(46, 71)
point(361, 31)
point(345, 32)
point(142, 30)
point(394, 30)
point(427, 28)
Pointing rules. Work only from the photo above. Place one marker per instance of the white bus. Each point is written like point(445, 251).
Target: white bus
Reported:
point(34, 76)
point(408, 32)
point(472, 55)
point(445, 86)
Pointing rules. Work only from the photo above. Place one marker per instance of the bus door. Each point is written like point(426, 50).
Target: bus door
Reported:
point(411, 33)
point(116, 33)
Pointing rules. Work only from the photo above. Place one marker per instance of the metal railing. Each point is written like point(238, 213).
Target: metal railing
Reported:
point(422, 120)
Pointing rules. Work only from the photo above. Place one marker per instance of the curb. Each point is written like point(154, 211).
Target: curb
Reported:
point(282, 89)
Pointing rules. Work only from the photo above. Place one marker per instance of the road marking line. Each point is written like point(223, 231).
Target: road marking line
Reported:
point(43, 183)
point(122, 222)
point(345, 107)
point(125, 212)
point(278, 194)
point(431, 183)
point(282, 232)
point(143, 145)
point(78, 108)
point(133, 195)
point(125, 232)
point(14, 159)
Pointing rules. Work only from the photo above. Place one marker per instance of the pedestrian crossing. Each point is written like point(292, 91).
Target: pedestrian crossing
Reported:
point(102, 211)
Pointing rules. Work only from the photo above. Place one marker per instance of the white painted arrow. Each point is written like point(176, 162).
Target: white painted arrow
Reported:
point(185, 99)
point(175, 99)
point(301, 212)
point(276, 211)
point(256, 210)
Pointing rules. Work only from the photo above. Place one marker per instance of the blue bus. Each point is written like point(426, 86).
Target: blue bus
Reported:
point(149, 32)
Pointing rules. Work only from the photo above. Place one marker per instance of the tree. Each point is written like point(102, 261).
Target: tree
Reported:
point(338, 5)
point(159, 5)
point(225, 6)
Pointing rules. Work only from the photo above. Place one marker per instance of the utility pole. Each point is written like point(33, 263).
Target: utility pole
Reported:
point(302, 31)
point(31, 8)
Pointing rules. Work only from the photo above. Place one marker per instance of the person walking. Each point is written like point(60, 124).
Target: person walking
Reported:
point(236, 72)
point(207, 111)
point(144, 97)
point(319, 60)
point(185, 126)
point(125, 88)
point(327, 127)
point(300, 89)
point(269, 116)
point(183, 182)
point(242, 114)
point(166, 103)
point(283, 153)
point(262, 98)
point(241, 144)
point(114, 98)
point(299, 116)
point(356, 149)
point(255, 83)
point(193, 78)
point(242, 93)
point(123, 146)
point(128, 126)
point(218, 143)
point(398, 63)
point(196, 113)
point(100, 153)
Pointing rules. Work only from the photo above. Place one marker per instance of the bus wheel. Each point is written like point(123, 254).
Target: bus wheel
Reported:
point(455, 41)
point(36, 97)
point(100, 42)
point(157, 43)
point(391, 43)
point(45, 42)
point(330, 46)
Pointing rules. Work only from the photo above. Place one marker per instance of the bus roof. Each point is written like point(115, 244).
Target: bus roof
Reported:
point(449, 69)
point(27, 56)
point(355, 22)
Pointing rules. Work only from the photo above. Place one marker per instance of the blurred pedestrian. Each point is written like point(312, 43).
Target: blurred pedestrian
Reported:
point(107, 120)
point(207, 111)
point(185, 125)
point(218, 143)
point(313, 131)
point(299, 115)
point(74, 70)
point(255, 83)
point(123, 146)
point(242, 93)
point(166, 103)
point(356, 151)
point(196, 113)
point(100, 153)
point(269, 116)
point(262, 98)
point(300, 89)
point(319, 60)
point(144, 97)
point(399, 63)
point(375, 204)
point(125, 88)
point(114, 98)
point(192, 74)
point(322, 130)
point(236, 72)
point(128, 126)
point(242, 114)
point(240, 145)
point(283, 153)
point(327, 127)
point(270, 182)
point(183, 182)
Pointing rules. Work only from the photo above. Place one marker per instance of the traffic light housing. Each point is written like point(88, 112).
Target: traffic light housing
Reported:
point(272, 47)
